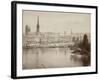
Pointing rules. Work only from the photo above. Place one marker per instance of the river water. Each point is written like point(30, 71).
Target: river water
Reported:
point(36, 58)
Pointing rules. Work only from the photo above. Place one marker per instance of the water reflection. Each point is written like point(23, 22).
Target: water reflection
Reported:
point(49, 58)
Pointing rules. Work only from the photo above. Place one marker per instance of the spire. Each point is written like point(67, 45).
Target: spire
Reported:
point(38, 26)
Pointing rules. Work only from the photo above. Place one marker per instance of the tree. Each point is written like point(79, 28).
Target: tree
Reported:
point(85, 42)
point(84, 46)
point(85, 50)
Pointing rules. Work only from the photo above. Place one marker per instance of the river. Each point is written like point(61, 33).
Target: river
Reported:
point(36, 58)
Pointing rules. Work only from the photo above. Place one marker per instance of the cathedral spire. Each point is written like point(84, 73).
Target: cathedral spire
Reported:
point(38, 26)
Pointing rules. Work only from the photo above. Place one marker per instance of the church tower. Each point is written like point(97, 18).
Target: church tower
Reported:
point(37, 26)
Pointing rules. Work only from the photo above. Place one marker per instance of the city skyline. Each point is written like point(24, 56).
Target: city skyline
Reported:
point(46, 43)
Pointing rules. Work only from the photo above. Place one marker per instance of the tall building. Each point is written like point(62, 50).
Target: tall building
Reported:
point(27, 29)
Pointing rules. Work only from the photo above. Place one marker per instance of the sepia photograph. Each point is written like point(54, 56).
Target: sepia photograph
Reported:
point(55, 39)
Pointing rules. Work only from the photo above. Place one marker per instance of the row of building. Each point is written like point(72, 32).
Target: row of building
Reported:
point(47, 38)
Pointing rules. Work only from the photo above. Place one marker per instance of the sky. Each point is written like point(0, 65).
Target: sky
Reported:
point(57, 21)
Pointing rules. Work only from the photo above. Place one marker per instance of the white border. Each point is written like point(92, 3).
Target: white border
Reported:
point(34, 72)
